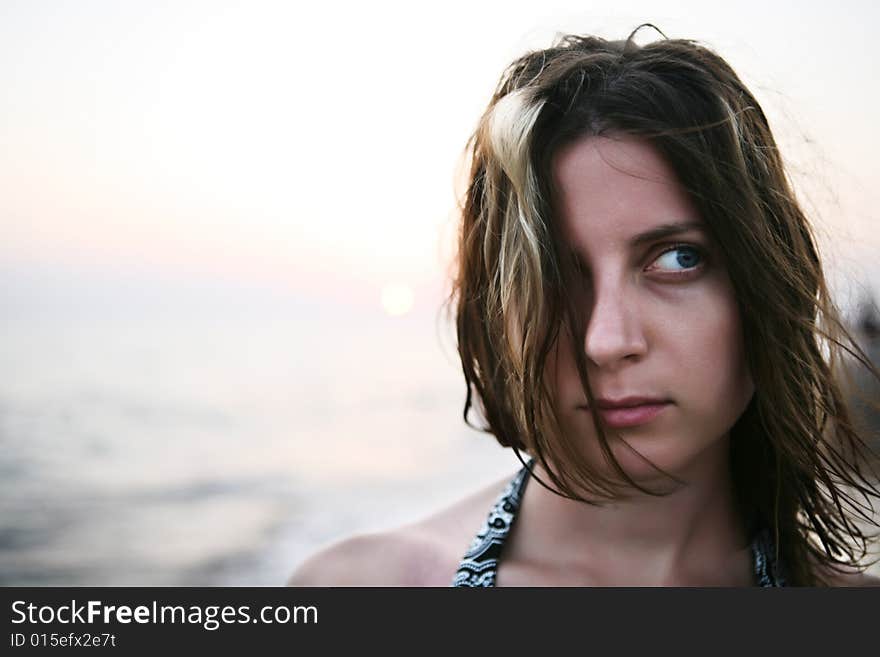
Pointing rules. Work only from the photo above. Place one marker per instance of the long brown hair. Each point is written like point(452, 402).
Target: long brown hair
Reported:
point(798, 463)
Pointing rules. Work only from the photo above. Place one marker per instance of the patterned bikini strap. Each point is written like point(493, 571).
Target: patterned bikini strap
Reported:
point(479, 565)
point(769, 572)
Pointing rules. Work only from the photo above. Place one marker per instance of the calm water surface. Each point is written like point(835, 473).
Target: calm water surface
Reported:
point(221, 449)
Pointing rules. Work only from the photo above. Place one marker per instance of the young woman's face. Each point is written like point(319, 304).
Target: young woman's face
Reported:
point(663, 340)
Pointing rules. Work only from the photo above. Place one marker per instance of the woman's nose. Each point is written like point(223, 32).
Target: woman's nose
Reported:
point(614, 332)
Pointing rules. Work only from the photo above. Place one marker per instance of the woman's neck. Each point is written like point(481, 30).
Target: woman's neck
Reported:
point(692, 536)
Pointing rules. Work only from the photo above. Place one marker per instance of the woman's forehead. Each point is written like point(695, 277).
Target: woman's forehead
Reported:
point(628, 153)
point(617, 189)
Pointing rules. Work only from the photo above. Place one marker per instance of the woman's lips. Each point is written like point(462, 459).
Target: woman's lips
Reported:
point(621, 417)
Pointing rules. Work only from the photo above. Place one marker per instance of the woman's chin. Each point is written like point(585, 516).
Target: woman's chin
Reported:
point(655, 461)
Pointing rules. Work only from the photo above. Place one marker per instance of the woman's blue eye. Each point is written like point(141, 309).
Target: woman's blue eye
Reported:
point(680, 258)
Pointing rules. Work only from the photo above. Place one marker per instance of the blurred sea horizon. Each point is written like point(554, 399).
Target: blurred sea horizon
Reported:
point(159, 437)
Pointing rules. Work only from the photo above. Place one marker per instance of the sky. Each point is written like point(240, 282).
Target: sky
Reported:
point(311, 149)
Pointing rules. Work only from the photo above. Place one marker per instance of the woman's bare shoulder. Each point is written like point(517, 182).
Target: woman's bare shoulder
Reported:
point(392, 558)
point(424, 553)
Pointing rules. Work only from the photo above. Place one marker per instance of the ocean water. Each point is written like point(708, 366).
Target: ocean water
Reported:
point(221, 447)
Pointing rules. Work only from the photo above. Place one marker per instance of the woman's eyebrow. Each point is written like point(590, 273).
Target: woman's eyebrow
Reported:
point(664, 230)
point(652, 235)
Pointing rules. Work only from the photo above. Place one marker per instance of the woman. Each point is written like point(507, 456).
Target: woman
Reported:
point(643, 318)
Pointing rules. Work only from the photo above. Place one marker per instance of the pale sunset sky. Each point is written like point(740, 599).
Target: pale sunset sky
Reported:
point(311, 148)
